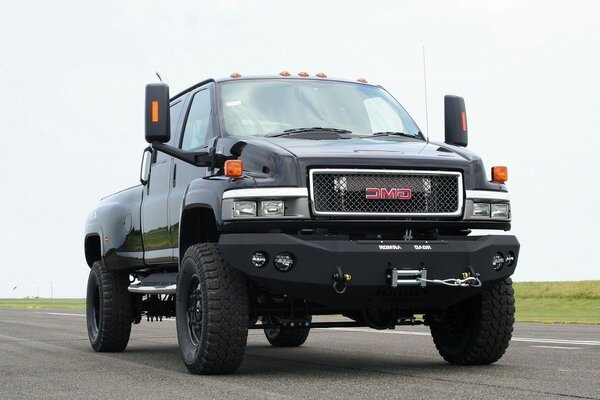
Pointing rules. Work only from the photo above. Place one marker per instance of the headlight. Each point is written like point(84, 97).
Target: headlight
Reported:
point(500, 211)
point(481, 209)
point(272, 208)
point(244, 208)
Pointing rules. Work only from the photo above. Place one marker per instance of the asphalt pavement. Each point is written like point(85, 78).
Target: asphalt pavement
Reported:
point(46, 354)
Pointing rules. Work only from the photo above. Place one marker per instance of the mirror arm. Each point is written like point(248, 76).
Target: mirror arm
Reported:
point(199, 158)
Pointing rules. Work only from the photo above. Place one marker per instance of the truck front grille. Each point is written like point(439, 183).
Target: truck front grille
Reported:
point(386, 192)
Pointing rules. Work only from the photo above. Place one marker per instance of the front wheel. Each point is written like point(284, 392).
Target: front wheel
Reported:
point(212, 312)
point(478, 330)
point(108, 309)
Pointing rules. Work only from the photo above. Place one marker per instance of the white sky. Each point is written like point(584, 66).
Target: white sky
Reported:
point(72, 78)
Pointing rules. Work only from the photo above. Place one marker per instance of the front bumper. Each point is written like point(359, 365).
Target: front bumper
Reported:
point(370, 262)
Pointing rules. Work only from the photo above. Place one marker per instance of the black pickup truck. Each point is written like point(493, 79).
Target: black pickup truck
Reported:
point(267, 200)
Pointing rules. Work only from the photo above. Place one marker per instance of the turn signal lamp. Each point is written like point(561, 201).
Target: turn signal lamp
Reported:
point(234, 168)
point(154, 111)
point(499, 174)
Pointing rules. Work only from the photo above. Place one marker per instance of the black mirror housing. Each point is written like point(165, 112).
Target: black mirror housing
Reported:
point(158, 124)
point(456, 121)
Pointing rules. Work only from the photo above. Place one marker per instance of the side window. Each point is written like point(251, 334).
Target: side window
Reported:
point(175, 112)
point(198, 121)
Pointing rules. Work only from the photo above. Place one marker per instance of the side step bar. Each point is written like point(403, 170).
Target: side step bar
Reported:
point(156, 289)
point(158, 283)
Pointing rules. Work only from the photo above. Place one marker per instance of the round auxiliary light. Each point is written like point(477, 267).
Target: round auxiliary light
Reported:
point(259, 259)
point(510, 259)
point(283, 261)
point(498, 261)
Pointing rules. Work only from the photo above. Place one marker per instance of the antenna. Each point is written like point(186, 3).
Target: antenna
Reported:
point(425, 85)
point(162, 76)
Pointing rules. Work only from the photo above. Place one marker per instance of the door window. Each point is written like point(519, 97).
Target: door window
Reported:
point(197, 124)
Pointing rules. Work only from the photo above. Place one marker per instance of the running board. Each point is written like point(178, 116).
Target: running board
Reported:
point(158, 283)
point(157, 289)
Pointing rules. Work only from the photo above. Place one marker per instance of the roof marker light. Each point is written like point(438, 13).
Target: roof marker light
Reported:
point(235, 75)
point(362, 80)
point(321, 75)
point(303, 74)
point(284, 73)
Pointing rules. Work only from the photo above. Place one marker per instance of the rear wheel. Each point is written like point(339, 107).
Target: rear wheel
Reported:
point(212, 312)
point(108, 309)
point(283, 336)
point(477, 330)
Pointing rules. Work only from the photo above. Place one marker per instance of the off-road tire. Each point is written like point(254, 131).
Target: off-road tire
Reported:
point(285, 336)
point(478, 330)
point(108, 309)
point(212, 312)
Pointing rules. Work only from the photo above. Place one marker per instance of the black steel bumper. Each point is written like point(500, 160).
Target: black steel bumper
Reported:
point(370, 264)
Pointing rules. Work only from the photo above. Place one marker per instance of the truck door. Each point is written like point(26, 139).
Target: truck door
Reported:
point(155, 216)
point(197, 130)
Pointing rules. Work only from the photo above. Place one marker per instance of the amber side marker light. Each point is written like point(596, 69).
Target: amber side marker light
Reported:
point(234, 168)
point(499, 174)
point(154, 111)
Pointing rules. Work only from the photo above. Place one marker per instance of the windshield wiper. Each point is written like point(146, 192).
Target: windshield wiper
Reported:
point(394, 134)
point(316, 129)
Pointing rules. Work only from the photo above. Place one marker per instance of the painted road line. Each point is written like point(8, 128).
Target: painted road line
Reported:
point(67, 314)
point(558, 347)
point(514, 339)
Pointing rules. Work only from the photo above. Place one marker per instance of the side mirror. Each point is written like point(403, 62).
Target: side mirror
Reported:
point(456, 121)
point(158, 124)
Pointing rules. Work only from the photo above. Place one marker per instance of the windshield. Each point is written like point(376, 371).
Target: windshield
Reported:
point(271, 106)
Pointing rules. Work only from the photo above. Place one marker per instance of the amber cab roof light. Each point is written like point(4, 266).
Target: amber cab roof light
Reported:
point(499, 174)
point(234, 168)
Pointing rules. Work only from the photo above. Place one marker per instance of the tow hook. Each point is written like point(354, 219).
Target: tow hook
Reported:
point(340, 280)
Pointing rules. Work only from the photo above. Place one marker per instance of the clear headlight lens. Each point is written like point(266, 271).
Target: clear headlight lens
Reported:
point(500, 211)
point(244, 208)
point(272, 207)
point(481, 209)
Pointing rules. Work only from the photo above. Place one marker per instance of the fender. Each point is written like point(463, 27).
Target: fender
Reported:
point(116, 220)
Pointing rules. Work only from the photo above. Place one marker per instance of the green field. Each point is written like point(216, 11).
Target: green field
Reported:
point(558, 302)
point(546, 302)
point(70, 304)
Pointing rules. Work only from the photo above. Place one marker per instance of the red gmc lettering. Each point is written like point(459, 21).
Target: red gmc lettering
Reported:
point(387, 194)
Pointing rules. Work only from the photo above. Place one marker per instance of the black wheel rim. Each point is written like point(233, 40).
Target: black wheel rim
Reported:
point(194, 311)
point(94, 312)
point(274, 328)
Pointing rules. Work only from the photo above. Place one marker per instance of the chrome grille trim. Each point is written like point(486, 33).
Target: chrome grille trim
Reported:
point(387, 172)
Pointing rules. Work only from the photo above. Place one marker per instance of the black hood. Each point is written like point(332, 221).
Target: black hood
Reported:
point(286, 161)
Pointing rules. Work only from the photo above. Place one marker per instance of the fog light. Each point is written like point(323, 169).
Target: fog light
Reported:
point(284, 261)
point(244, 208)
point(500, 211)
point(481, 209)
point(498, 261)
point(258, 259)
point(510, 259)
point(272, 207)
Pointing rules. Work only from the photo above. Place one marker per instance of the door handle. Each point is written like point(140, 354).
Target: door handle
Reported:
point(174, 175)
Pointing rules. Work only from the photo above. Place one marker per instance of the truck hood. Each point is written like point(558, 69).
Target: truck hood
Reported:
point(372, 149)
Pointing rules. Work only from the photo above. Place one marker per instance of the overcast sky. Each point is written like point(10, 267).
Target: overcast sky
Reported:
point(72, 78)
